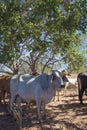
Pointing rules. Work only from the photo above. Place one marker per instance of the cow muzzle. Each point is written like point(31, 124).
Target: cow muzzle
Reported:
point(62, 86)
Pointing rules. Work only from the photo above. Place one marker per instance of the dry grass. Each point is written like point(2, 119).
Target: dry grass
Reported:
point(65, 114)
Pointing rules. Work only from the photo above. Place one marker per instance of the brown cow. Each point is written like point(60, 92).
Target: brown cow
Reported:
point(4, 86)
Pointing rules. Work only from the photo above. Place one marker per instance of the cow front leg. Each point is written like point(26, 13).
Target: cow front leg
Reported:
point(18, 101)
point(43, 110)
point(38, 102)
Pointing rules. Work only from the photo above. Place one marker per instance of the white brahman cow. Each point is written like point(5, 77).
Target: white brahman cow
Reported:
point(40, 88)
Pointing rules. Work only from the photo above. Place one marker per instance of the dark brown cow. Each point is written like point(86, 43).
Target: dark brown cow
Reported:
point(82, 84)
point(4, 86)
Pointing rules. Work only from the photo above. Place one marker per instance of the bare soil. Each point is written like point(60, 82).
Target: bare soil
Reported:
point(65, 114)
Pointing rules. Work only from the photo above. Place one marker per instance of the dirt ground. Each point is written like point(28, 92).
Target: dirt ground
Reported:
point(65, 114)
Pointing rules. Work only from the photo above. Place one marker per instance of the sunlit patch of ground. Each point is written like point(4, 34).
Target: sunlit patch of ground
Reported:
point(65, 114)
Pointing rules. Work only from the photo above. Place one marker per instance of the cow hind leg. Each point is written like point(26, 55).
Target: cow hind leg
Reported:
point(81, 95)
point(0, 97)
point(4, 92)
point(80, 90)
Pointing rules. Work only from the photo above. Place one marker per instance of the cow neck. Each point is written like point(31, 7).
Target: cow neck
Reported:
point(51, 88)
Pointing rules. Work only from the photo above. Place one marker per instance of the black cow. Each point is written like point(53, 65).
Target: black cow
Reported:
point(82, 85)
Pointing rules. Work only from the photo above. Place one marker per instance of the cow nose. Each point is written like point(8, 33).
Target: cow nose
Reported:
point(62, 85)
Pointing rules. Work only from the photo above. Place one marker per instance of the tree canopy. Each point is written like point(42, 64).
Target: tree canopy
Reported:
point(48, 28)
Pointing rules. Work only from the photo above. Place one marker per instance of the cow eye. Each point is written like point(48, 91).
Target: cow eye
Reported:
point(54, 78)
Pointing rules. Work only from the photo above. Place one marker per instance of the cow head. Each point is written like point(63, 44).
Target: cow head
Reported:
point(57, 79)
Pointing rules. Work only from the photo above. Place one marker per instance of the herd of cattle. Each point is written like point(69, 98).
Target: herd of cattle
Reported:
point(40, 88)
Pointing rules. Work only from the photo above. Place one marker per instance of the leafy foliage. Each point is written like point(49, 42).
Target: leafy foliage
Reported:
point(39, 27)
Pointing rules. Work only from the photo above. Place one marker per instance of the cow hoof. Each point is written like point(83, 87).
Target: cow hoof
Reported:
point(44, 117)
point(10, 112)
point(81, 103)
point(39, 121)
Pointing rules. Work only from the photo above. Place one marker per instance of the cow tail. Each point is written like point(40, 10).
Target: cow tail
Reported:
point(79, 88)
point(79, 84)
